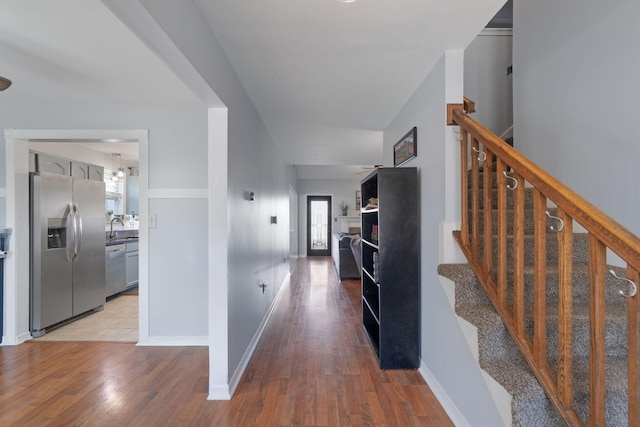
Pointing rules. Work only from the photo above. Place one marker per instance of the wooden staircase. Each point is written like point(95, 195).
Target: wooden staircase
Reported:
point(499, 355)
point(539, 252)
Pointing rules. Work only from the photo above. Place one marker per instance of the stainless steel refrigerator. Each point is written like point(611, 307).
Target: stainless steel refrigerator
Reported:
point(67, 248)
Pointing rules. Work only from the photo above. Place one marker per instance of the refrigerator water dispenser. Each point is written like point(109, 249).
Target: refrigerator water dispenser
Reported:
point(56, 233)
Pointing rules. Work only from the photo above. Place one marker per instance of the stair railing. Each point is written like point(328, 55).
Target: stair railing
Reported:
point(503, 275)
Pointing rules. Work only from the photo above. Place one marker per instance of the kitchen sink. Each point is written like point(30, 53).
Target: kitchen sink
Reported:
point(121, 236)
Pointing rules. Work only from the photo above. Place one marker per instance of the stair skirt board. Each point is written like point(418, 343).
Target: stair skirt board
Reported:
point(529, 405)
point(500, 395)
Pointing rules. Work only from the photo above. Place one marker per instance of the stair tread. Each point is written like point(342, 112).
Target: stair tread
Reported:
point(514, 374)
point(580, 312)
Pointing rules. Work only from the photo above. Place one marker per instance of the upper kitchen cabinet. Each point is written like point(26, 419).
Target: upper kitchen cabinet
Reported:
point(51, 164)
point(80, 170)
point(87, 171)
point(40, 162)
point(133, 191)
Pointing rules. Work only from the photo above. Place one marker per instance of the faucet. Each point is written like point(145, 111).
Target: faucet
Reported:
point(112, 234)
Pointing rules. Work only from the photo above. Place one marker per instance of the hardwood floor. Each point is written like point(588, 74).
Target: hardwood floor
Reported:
point(313, 367)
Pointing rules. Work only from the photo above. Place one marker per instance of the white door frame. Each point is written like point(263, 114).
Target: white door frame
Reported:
point(16, 304)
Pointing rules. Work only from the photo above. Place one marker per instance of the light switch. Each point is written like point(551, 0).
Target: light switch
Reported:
point(153, 221)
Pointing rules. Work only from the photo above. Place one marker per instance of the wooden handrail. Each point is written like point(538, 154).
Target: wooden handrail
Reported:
point(490, 261)
point(468, 105)
point(611, 233)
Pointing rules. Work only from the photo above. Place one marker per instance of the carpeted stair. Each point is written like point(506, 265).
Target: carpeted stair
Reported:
point(500, 357)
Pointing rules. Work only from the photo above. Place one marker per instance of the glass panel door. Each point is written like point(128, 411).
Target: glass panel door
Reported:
point(318, 225)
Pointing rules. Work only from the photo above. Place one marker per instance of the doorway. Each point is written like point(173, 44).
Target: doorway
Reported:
point(113, 167)
point(318, 225)
point(17, 268)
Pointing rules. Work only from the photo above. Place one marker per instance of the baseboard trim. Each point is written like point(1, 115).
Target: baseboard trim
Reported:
point(244, 362)
point(447, 403)
point(175, 342)
point(23, 337)
point(219, 392)
point(20, 339)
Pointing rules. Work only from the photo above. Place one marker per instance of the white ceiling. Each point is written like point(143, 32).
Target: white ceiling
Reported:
point(78, 51)
point(326, 77)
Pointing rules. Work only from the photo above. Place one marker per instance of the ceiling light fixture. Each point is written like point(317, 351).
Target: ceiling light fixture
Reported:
point(116, 168)
point(346, 1)
point(4, 83)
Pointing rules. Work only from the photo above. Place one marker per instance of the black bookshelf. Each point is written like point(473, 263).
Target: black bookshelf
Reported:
point(391, 266)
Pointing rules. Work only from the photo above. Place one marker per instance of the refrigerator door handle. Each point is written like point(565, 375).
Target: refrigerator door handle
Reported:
point(78, 238)
point(71, 233)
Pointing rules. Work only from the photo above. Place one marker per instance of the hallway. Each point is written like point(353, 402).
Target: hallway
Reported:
point(312, 367)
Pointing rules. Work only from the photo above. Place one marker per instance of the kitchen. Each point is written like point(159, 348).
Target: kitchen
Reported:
point(84, 205)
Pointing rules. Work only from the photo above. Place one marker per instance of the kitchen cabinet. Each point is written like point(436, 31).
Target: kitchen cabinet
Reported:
point(133, 192)
point(51, 164)
point(41, 162)
point(131, 264)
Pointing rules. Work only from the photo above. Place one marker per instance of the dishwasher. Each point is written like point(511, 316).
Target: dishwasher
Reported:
point(115, 269)
point(132, 264)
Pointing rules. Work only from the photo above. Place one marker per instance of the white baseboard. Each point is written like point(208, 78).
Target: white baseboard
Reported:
point(237, 375)
point(22, 338)
point(175, 341)
point(447, 404)
point(219, 392)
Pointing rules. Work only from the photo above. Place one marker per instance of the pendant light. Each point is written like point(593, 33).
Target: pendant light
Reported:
point(116, 169)
point(120, 170)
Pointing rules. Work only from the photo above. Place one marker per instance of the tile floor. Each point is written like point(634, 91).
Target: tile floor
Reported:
point(117, 322)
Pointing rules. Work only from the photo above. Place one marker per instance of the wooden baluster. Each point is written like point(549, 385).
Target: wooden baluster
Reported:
point(464, 213)
point(488, 203)
point(475, 202)
point(540, 279)
point(518, 249)
point(633, 313)
point(502, 233)
point(565, 310)
point(597, 271)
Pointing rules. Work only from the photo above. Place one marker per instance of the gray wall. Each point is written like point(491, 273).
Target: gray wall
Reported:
point(256, 248)
point(575, 97)
point(444, 350)
point(485, 79)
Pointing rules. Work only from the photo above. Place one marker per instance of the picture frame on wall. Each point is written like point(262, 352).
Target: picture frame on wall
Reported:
point(358, 200)
point(406, 149)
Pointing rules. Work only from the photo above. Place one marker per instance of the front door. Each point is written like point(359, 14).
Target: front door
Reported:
point(318, 225)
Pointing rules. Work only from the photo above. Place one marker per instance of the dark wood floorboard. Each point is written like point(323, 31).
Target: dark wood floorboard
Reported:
point(312, 367)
